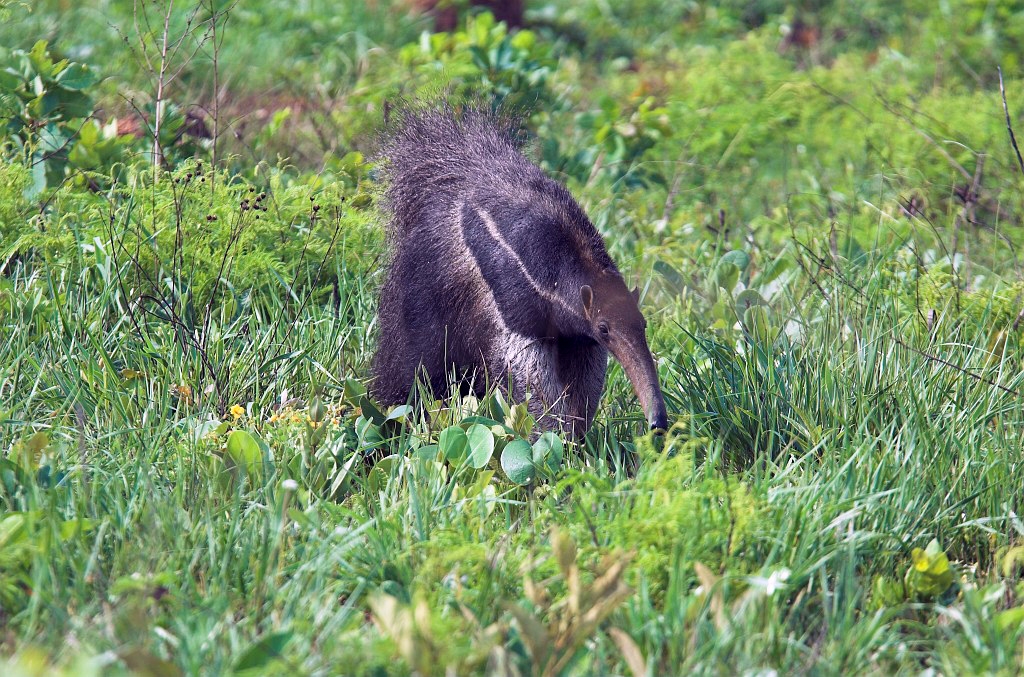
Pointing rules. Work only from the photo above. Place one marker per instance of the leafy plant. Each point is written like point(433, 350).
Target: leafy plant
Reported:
point(43, 105)
point(929, 575)
point(523, 462)
point(485, 61)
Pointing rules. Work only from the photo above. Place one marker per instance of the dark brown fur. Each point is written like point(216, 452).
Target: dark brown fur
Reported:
point(498, 276)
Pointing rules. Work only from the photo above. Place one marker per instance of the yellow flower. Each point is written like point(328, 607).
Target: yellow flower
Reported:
point(237, 411)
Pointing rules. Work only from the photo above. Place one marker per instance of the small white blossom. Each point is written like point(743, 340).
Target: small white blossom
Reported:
point(775, 582)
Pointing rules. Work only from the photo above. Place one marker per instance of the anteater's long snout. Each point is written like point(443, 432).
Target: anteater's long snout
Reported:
point(638, 363)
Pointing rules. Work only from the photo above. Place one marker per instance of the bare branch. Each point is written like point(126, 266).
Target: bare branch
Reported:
point(1009, 127)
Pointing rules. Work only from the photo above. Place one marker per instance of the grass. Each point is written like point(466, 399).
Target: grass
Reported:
point(193, 481)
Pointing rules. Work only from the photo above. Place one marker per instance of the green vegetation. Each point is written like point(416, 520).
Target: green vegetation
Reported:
point(819, 201)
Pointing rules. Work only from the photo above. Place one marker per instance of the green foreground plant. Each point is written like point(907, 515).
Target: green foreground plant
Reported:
point(194, 481)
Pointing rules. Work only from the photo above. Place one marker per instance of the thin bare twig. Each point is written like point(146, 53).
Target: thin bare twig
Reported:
point(159, 103)
point(1009, 127)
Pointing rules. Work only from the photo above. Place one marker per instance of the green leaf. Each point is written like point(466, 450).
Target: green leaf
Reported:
point(757, 320)
point(40, 58)
point(52, 139)
point(672, 276)
point(930, 574)
point(71, 528)
point(76, 77)
point(726, 275)
point(748, 298)
point(352, 391)
point(399, 413)
point(547, 452)
point(738, 258)
point(483, 420)
point(371, 411)
point(74, 104)
point(1010, 619)
point(782, 263)
point(244, 452)
point(887, 592)
point(142, 662)
point(453, 442)
point(369, 434)
point(9, 81)
point(727, 272)
point(1012, 560)
point(517, 462)
point(207, 427)
point(317, 410)
point(38, 184)
point(380, 473)
point(12, 529)
point(481, 445)
point(427, 452)
point(261, 654)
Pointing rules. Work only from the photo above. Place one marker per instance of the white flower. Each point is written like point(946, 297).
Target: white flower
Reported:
point(775, 582)
point(289, 485)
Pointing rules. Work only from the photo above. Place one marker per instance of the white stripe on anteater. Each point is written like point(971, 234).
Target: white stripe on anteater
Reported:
point(465, 254)
point(492, 228)
point(521, 355)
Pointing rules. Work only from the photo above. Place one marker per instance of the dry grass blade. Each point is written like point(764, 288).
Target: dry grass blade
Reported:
point(630, 651)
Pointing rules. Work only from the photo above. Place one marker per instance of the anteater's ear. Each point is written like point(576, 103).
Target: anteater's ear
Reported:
point(636, 294)
point(587, 296)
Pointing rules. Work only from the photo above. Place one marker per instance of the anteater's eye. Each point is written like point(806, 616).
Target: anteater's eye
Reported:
point(603, 328)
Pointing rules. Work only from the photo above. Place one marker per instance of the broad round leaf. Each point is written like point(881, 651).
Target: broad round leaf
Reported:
point(517, 462)
point(369, 434)
point(738, 258)
point(481, 445)
point(399, 413)
point(76, 76)
point(748, 298)
point(244, 451)
point(757, 320)
point(453, 443)
point(726, 275)
point(427, 452)
point(205, 428)
point(380, 473)
point(547, 452)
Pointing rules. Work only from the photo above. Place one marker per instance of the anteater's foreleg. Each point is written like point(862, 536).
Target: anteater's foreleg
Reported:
point(563, 377)
point(581, 366)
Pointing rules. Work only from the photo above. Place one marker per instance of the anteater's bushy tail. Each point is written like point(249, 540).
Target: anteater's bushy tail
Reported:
point(432, 156)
